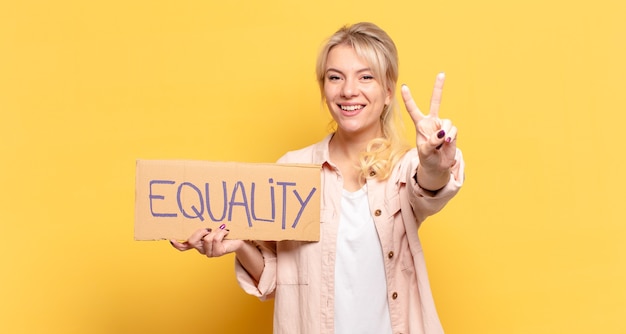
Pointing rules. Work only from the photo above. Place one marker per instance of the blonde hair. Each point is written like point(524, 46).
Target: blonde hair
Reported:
point(378, 49)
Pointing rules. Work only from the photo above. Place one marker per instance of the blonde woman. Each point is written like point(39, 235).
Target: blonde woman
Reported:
point(367, 273)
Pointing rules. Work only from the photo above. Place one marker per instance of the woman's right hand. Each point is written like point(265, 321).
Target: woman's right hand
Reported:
point(209, 242)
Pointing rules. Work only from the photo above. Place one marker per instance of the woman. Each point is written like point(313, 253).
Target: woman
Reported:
point(367, 272)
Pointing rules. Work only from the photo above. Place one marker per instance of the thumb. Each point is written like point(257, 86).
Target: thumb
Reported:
point(181, 246)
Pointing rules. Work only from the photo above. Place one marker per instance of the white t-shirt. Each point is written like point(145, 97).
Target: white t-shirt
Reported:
point(361, 304)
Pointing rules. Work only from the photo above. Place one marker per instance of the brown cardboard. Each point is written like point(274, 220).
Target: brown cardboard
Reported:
point(254, 201)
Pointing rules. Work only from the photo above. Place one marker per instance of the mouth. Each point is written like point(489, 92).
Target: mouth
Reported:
point(351, 108)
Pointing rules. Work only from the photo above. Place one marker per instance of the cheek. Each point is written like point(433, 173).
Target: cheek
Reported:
point(329, 97)
point(328, 101)
point(328, 92)
point(330, 108)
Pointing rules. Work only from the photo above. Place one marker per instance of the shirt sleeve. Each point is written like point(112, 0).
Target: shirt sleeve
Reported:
point(266, 286)
point(425, 203)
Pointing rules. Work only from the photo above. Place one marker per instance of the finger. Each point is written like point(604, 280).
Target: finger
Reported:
point(435, 100)
point(446, 125)
point(409, 103)
point(194, 241)
point(451, 134)
point(436, 140)
point(181, 246)
point(218, 247)
point(207, 244)
point(196, 238)
point(211, 242)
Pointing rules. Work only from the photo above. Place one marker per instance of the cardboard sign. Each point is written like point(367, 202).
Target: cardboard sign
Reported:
point(256, 201)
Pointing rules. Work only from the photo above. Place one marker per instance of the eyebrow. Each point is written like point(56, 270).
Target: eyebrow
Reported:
point(366, 69)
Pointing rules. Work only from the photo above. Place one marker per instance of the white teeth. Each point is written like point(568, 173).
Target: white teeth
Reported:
point(351, 108)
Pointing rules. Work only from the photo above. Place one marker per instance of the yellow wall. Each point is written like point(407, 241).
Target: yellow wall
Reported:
point(534, 243)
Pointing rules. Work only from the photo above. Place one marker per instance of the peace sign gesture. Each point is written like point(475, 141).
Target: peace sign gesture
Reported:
point(436, 138)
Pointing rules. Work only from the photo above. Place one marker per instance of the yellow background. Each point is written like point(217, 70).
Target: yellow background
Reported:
point(534, 243)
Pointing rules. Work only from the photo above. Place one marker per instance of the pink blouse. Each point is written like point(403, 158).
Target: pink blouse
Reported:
point(300, 275)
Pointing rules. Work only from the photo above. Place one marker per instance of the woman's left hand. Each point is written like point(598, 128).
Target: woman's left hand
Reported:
point(436, 137)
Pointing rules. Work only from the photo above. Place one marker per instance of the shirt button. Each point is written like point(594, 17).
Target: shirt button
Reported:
point(372, 173)
point(390, 254)
point(377, 213)
point(394, 295)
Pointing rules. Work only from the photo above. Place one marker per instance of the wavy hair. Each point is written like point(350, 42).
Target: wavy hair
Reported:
point(379, 51)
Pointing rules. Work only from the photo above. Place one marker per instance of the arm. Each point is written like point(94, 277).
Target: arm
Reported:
point(439, 174)
point(251, 259)
point(212, 244)
point(424, 202)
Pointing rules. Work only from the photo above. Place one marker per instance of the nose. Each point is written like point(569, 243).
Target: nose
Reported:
point(349, 88)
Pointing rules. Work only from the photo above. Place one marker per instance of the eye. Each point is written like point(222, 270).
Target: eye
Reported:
point(367, 77)
point(333, 77)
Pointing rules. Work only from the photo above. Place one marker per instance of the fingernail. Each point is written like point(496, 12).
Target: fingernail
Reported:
point(223, 226)
point(438, 147)
point(449, 139)
point(440, 134)
point(209, 229)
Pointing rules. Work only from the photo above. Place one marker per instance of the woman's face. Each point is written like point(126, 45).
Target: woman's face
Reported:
point(354, 96)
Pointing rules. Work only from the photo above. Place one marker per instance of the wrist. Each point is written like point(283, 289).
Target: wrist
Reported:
point(431, 181)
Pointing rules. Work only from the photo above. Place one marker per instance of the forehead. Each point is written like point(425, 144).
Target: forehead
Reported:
point(344, 57)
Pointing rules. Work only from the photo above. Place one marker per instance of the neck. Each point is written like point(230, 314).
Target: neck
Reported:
point(349, 146)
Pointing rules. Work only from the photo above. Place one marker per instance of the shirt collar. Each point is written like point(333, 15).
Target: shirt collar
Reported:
point(321, 153)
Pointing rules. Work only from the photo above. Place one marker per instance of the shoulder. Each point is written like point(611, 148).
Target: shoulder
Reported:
point(316, 153)
point(298, 156)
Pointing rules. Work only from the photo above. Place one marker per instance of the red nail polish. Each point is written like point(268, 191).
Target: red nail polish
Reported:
point(440, 134)
point(223, 226)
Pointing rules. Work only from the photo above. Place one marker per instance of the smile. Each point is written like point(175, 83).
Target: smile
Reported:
point(351, 108)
